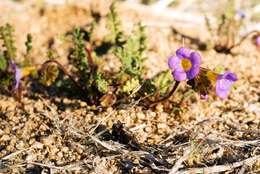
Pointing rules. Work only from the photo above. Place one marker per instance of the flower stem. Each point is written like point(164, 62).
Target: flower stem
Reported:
point(169, 95)
point(90, 59)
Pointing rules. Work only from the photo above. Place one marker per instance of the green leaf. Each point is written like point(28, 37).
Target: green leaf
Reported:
point(6, 34)
point(28, 45)
point(130, 86)
point(163, 79)
point(188, 94)
point(101, 82)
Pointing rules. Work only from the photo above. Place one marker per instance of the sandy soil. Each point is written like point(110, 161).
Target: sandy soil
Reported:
point(57, 134)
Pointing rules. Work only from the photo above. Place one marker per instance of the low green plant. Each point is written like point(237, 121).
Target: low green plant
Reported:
point(9, 51)
point(130, 51)
point(225, 33)
point(88, 68)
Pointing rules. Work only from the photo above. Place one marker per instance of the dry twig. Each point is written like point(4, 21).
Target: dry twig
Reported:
point(222, 168)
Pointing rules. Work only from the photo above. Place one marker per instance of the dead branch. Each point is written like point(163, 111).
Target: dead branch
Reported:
point(222, 168)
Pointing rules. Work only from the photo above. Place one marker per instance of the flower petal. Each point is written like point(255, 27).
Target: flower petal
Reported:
point(257, 41)
point(229, 76)
point(223, 76)
point(232, 77)
point(183, 52)
point(240, 13)
point(195, 58)
point(224, 84)
point(174, 62)
point(13, 65)
point(204, 96)
point(193, 72)
point(18, 74)
point(179, 75)
point(222, 93)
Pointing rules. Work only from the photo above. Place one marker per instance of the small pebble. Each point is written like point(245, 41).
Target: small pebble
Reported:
point(5, 138)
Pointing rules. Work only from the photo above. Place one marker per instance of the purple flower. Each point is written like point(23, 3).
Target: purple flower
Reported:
point(204, 96)
point(257, 41)
point(224, 84)
point(240, 13)
point(18, 74)
point(185, 65)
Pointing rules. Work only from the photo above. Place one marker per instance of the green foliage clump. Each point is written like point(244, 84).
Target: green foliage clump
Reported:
point(116, 35)
point(130, 86)
point(131, 54)
point(79, 55)
point(88, 68)
point(28, 45)
point(89, 79)
point(100, 82)
point(3, 63)
point(130, 51)
point(9, 53)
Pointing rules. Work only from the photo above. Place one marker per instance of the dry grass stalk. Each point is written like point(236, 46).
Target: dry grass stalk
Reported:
point(13, 154)
point(76, 166)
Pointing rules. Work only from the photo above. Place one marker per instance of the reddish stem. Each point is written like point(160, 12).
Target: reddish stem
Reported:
point(68, 74)
point(90, 59)
point(169, 95)
point(243, 38)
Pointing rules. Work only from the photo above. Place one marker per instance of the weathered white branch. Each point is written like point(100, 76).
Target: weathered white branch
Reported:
point(221, 168)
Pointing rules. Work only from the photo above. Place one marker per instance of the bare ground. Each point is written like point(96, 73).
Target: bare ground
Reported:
point(53, 133)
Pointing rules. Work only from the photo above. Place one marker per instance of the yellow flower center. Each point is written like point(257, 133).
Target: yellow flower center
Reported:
point(185, 64)
point(212, 77)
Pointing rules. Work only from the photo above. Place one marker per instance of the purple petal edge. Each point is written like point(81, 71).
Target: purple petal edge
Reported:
point(195, 58)
point(193, 72)
point(183, 52)
point(179, 75)
point(222, 93)
point(173, 62)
